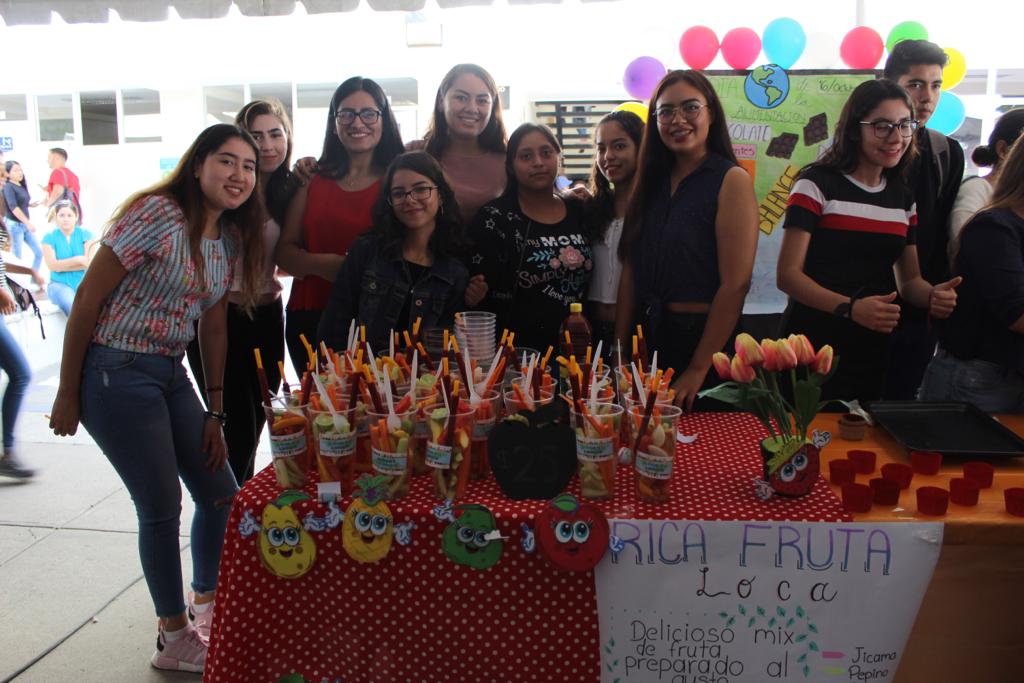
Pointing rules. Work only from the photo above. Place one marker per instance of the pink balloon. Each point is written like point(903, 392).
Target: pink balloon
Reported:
point(698, 46)
point(862, 48)
point(740, 47)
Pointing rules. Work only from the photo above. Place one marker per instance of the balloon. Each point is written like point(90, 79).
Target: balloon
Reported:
point(948, 116)
point(638, 108)
point(861, 48)
point(641, 77)
point(822, 51)
point(698, 46)
point(955, 69)
point(740, 47)
point(783, 41)
point(907, 30)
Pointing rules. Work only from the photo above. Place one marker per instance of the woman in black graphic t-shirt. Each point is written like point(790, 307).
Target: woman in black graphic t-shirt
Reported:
point(530, 245)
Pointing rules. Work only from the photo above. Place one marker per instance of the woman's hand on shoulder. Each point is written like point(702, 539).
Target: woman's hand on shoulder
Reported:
point(304, 170)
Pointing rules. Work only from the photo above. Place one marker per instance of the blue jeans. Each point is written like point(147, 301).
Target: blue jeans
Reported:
point(62, 295)
point(14, 363)
point(143, 412)
point(20, 232)
point(987, 385)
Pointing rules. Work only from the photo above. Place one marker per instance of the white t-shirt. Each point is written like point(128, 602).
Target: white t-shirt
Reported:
point(604, 282)
point(974, 193)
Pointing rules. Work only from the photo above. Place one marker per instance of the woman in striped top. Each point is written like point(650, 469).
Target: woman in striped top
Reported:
point(850, 225)
point(167, 259)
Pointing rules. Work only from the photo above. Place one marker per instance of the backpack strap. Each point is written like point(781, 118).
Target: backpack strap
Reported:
point(940, 154)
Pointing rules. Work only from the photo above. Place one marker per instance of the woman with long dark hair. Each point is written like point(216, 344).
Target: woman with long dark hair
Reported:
point(167, 259)
point(690, 233)
point(407, 266)
point(19, 225)
point(850, 224)
point(530, 245)
point(617, 139)
point(326, 216)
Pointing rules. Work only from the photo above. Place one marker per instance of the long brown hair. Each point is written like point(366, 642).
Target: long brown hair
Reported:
point(492, 138)
point(1009, 189)
point(281, 185)
point(599, 210)
point(182, 187)
point(656, 160)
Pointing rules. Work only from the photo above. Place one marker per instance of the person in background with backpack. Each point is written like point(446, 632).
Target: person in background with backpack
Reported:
point(63, 182)
point(934, 178)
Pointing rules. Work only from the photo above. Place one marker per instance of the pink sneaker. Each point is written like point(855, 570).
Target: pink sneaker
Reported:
point(201, 620)
point(187, 653)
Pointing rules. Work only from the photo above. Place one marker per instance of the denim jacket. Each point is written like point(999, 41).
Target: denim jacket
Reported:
point(372, 287)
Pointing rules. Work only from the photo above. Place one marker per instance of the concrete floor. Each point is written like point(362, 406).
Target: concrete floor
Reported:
point(73, 604)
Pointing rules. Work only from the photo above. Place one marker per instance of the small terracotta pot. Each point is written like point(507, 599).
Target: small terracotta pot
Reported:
point(852, 427)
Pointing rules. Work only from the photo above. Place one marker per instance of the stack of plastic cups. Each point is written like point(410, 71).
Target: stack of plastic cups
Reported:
point(474, 331)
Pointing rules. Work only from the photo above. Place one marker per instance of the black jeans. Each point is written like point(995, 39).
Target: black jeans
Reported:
point(913, 345)
point(676, 336)
point(300, 322)
point(242, 401)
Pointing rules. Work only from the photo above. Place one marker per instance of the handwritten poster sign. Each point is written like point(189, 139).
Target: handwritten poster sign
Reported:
point(721, 602)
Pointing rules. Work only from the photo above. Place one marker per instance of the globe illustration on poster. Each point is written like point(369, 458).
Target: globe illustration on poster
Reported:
point(767, 86)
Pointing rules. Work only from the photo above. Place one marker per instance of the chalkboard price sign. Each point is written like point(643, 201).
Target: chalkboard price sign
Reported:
point(534, 461)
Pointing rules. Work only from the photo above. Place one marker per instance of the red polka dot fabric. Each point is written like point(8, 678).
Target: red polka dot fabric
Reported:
point(417, 616)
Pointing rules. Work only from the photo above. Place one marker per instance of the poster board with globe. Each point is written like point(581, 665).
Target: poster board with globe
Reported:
point(779, 122)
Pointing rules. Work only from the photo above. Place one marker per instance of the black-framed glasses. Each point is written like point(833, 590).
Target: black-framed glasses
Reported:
point(420, 193)
point(884, 129)
point(667, 112)
point(368, 116)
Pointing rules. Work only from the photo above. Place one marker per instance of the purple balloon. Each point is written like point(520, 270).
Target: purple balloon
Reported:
point(641, 77)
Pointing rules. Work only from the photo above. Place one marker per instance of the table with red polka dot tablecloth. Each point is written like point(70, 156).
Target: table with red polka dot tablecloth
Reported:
point(417, 616)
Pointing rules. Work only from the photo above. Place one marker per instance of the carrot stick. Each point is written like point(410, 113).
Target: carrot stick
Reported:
point(262, 376)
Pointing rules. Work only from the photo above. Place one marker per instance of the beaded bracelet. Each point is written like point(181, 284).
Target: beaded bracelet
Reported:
point(214, 415)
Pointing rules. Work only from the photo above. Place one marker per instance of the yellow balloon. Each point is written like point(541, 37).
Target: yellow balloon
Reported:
point(638, 108)
point(956, 68)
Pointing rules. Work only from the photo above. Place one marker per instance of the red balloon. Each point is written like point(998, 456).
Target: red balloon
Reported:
point(740, 47)
point(862, 48)
point(698, 46)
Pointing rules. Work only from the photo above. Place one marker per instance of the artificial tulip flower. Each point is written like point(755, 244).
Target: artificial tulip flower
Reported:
point(748, 350)
point(722, 365)
point(803, 348)
point(772, 361)
point(823, 360)
point(740, 371)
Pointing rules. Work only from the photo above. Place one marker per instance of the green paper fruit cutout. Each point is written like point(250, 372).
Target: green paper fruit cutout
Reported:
point(465, 541)
point(286, 549)
point(368, 529)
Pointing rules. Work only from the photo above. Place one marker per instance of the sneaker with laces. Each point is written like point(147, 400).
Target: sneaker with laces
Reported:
point(185, 653)
point(11, 466)
point(201, 620)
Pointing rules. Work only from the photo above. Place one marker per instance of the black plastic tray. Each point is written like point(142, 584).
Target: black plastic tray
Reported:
point(951, 428)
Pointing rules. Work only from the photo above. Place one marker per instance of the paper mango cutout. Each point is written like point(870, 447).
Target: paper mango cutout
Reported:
point(571, 535)
point(473, 538)
point(368, 529)
point(285, 547)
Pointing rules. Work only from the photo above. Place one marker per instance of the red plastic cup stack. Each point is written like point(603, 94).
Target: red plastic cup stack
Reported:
point(857, 497)
point(863, 461)
point(979, 472)
point(931, 500)
point(1014, 501)
point(898, 472)
point(841, 472)
point(926, 462)
point(885, 491)
point(963, 491)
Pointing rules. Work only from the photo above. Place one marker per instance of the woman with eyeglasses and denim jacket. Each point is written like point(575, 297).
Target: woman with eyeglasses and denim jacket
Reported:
point(849, 228)
point(326, 216)
point(407, 266)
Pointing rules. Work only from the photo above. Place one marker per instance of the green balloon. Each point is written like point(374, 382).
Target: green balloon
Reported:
point(906, 30)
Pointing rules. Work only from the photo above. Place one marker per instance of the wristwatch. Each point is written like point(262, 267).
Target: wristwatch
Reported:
point(843, 310)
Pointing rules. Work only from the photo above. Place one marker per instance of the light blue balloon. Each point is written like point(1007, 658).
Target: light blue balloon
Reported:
point(949, 115)
point(783, 41)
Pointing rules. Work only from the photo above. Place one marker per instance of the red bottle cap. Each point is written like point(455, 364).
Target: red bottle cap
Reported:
point(898, 472)
point(863, 461)
point(931, 500)
point(926, 462)
point(885, 491)
point(857, 497)
point(841, 472)
point(979, 472)
point(963, 491)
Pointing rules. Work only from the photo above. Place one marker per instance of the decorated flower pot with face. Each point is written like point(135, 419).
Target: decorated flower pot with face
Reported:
point(790, 468)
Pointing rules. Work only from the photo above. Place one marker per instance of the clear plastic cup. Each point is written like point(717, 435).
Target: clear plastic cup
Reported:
point(485, 419)
point(655, 452)
point(516, 400)
point(448, 448)
point(390, 445)
point(426, 396)
point(334, 439)
point(597, 447)
point(290, 441)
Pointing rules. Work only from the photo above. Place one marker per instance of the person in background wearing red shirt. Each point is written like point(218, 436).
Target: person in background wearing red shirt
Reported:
point(325, 217)
point(61, 178)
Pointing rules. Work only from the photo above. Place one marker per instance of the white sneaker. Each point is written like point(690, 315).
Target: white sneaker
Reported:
point(201, 620)
point(185, 653)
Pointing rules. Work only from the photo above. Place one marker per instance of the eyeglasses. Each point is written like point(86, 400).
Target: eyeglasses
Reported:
point(420, 193)
point(884, 129)
point(346, 116)
point(667, 113)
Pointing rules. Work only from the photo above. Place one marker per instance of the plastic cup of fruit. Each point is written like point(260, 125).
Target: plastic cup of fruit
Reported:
point(335, 443)
point(629, 405)
point(604, 395)
point(425, 396)
point(290, 442)
point(449, 447)
point(390, 445)
point(364, 457)
point(597, 446)
point(655, 452)
point(514, 402)
point(483, 422)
